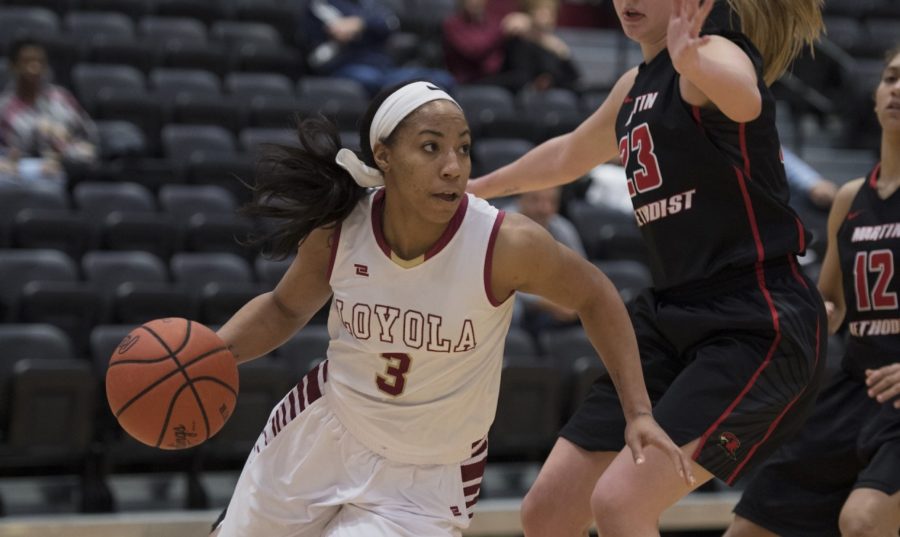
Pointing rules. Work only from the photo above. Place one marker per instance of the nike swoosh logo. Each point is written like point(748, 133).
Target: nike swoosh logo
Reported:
point(432, 87)
point(854, 214)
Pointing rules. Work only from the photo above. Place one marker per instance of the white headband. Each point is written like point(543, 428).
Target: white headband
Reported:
point(397, 106)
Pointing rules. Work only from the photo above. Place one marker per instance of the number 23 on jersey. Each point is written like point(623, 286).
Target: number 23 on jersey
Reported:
point(647, 176)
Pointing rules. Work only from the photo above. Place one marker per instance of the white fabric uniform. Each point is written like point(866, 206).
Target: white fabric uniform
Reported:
point(388, 436)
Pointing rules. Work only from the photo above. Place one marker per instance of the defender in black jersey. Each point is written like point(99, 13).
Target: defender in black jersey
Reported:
point(841, 473)
point(732, 335)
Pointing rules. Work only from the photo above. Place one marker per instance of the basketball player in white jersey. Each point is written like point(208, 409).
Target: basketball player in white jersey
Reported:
point(387, 437)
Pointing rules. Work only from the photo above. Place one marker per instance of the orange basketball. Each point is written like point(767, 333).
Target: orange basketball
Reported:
point(172, 383)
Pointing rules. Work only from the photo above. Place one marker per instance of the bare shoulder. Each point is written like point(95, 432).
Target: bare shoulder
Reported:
point(518, 232)
point(844, 199)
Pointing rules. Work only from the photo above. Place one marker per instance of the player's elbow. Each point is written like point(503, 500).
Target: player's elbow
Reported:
point(745, 108)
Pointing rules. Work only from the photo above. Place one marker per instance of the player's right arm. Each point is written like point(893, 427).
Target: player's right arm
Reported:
point(270, 319)
point(831, 276)
point(565, 158)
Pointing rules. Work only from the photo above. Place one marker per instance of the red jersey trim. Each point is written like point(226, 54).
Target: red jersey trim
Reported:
point(445, 238)
point(489, 261)
point(335, 240)
point(873, 177)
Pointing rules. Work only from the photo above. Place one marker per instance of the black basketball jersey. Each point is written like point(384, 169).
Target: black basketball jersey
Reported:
point(708, 193)
point(868, 244)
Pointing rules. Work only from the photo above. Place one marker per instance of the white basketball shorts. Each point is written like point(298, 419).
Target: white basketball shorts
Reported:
point(308, 476)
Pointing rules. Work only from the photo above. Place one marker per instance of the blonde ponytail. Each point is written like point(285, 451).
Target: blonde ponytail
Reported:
point(779, 29)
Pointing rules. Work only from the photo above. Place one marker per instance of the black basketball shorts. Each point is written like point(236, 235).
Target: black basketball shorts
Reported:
point(735, 361)
point(850, 441)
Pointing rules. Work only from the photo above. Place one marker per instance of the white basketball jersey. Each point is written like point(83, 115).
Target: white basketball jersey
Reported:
point(416, 348)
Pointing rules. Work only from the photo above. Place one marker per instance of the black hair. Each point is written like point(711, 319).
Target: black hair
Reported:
point(300, 189)
point(21, 42)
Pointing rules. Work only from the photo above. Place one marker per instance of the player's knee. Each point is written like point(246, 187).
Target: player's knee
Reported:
point(856, 523)
point(536, 513)
point(608, 508)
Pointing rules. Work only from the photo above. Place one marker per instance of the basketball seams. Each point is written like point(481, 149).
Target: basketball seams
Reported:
point(217, 381)
point(164, 378)
point(162, 433)
point(182, 369)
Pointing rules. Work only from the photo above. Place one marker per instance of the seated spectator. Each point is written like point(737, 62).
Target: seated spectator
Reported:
point(347, 39)
point(533, 313)
point(538, 58)
point(475, 41)
point(42, 127)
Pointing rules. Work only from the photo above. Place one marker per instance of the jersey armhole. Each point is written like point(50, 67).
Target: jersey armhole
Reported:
point(489, 262)
point(335, 240)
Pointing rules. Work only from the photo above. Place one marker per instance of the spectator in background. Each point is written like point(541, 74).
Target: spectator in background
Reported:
point(536, 314)
point(475, 42)
point(42, 126)
point(807, 181)
point(539, 59)
point(347, 39)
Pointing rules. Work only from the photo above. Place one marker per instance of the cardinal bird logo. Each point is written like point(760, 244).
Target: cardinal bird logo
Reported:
point(730, 444)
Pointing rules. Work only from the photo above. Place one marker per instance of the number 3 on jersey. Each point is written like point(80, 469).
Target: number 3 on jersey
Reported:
point(393, 380)
point(882, 262)
point(648, 177)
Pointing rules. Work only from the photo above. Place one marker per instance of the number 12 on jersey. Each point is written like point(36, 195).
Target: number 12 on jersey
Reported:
point(648, 177)
point(882, 262)
point(393, 379)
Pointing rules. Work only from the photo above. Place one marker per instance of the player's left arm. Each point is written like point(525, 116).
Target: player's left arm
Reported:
point(528, 259)
point(713, 69)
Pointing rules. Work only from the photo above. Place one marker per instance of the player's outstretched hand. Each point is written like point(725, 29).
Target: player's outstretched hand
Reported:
point(884, 383)
point(643, 431)
point(683, 36)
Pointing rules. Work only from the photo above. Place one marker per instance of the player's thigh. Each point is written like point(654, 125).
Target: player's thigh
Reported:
point(649, 487)
point(564, 485)
point(741, 527)
point(871, 508)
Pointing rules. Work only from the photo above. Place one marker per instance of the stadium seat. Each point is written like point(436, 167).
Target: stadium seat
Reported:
point(528, 413)
point(565, 345)
point(73, 307)
point(15, 197)
point(236, 33)
point(184, 201)
point(121, 139)
point(4, 72)
point(18, 267)
point(16, 21)
point(155, 233)
point(586, 370)
point(629, 276)
point(283, 16)
point(252, 138)
point(485, 105)
point(218, 233)
point(520, 345)
point(181, 142)
point(305, 349)
point(194, 55)
point(206, 11)
point(270, 271)
point(161, 30)
point(343, 101)
point(120, 51)
point(552, 112)
point(133, 8)
point(27, 341)
point(193, 270)
point(108, 269)
point(93, 80)
point(220, 301)
point(264, 58)
point(53, 229)
point(169, 83)
point(99, 199)
point(607, 233)
point(139, 302)
point(264, 382)
point(272, 111)
point(492, 153)
point(250, 85)
point(88, 26)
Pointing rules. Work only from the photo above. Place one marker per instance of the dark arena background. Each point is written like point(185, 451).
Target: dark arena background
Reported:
point(143, 224)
